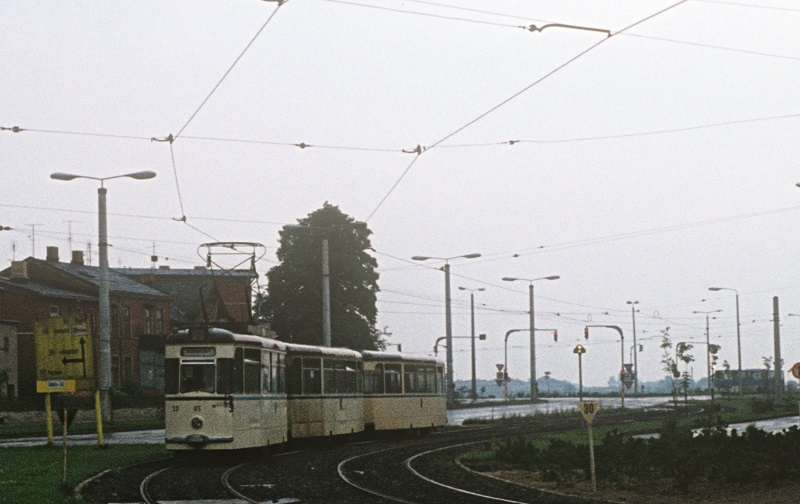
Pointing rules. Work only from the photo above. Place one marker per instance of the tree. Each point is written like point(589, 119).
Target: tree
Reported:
point(294, 302)
point(668, 362)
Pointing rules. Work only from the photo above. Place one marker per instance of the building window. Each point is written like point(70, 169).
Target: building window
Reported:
point(54, 311)
point(115, 321)
point(126, 321)
point(6, 344)
point(154, 320)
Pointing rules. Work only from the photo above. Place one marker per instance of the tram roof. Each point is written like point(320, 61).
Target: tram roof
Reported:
point(215, 335)
point(296, 348)
point(372, 355)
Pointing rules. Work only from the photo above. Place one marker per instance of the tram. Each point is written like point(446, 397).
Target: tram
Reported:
point(403, 392)
point(228, 391)
point(224, 390)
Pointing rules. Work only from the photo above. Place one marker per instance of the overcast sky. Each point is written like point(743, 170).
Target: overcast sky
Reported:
point(649, 165)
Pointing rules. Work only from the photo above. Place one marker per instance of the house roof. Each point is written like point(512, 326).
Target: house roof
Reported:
point(43, 290)
point(187, 272)
point(117, 282)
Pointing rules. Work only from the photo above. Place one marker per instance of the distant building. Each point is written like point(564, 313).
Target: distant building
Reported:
point(34, 289)
point(200, 295)
point(9, 379)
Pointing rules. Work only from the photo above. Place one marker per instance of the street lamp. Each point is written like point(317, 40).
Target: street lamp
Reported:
point(448, 317)
point(472, 334)
point(738, 333)
point(505, 351)
point(534, 387)
point(104, 324)
point(636, 350)
point(708, 346)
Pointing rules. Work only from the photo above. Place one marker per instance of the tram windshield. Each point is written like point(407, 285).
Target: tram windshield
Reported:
point(197, 378)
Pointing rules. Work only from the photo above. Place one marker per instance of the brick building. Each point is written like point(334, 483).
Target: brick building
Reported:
point(9, 379)
point(34, 289)
point(201, 295)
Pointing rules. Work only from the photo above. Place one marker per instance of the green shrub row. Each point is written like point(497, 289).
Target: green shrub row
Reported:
point(712, 455)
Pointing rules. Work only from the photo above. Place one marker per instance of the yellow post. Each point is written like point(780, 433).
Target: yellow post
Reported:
point(99, 418)
point(48, 413)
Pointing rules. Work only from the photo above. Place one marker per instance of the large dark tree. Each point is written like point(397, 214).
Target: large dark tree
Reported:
point(294, 301)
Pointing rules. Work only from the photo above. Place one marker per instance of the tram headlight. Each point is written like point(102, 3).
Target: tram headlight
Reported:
point(197, 422)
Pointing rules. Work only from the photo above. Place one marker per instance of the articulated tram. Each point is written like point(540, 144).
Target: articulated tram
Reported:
point(227, 391)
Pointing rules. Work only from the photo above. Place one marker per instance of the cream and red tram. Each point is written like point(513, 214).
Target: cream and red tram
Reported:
point(402, 391)
point(224, 391)
point(325, 391)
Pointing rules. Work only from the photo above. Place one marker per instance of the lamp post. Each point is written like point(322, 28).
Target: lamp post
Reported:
point(738, 334)
point(472, 334)
point(448, 317)
point(708, 347)
point(104, 324)
point(534, 387)
point(326, 276)
point(635, 349)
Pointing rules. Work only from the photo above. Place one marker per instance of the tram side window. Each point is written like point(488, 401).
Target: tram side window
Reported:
point(267, 383)
point(224, 376)
point(410, 375)
point(252, 371)
point(295, 376)
point(429, 378)
point(197, 378)
point(312, 379)
point(350, 377)
point(329, 376)
point(373, 380)
point(280, 373)
point(439, 379)
point(237, 383)
point(171, 376)
point(394, 383)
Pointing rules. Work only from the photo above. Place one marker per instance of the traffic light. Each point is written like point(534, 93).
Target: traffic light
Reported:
point(555, 335)
point(586, 332)
point(481, 337)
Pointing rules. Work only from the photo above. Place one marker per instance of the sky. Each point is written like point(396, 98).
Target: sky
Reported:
point(645, 166)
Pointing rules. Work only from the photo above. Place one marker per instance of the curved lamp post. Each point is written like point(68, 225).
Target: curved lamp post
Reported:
point(534, 387)
point(104, 322)
point(448, 317)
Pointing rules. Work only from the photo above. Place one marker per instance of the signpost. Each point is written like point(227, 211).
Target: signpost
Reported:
point(589, 409)
point(65, 363)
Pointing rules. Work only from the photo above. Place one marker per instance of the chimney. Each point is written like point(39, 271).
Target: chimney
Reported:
point(77, 258)
point(19, 271)
point(52, 254)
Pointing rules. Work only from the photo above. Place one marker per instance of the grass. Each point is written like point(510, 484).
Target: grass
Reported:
point(12, 431)
point(33, 475)
point(729, 410)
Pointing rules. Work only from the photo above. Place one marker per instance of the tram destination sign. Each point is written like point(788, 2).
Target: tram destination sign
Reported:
point(64, 355)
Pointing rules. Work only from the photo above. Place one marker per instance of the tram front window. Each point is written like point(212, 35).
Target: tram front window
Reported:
point(197, 378)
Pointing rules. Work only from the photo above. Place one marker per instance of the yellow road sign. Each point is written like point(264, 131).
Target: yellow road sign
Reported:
point(589, 408)
point(64, 356)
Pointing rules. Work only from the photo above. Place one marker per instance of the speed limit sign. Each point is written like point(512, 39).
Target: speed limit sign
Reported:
point(796, 370)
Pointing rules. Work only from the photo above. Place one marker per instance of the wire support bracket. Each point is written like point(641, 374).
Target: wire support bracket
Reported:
point(169, 138)
point(13, 129)
point(418, 150)
point(534, 28)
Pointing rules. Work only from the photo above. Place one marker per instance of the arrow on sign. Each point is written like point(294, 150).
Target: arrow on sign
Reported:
point(82, 360)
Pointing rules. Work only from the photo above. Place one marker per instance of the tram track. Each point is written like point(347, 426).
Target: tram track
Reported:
point(408, 470)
